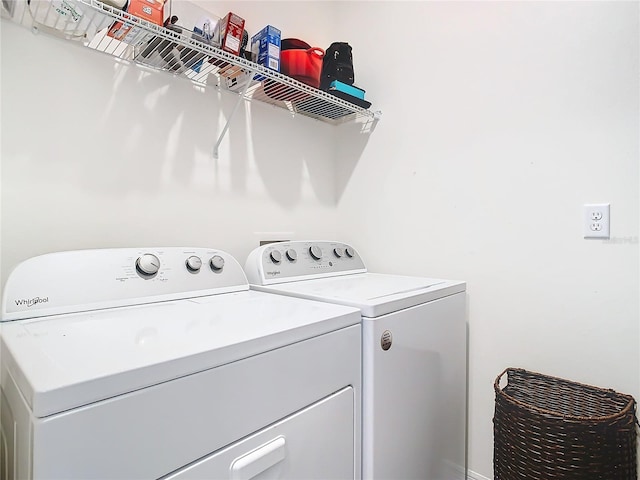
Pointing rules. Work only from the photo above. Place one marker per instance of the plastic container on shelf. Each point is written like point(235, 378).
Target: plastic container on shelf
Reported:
point(69, 18)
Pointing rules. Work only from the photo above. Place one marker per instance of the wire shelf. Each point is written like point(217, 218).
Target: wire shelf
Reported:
point(180, 53)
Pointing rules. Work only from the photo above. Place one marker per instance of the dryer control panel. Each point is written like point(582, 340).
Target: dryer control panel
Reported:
point(298, 260)
point(84, 280)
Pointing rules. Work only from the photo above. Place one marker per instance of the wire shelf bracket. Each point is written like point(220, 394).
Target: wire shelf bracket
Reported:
point(235, 108)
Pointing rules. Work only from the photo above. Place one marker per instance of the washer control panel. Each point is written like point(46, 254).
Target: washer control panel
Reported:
point(296, 260)
point(83, 280)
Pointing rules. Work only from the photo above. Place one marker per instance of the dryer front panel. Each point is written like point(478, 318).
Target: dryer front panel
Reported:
point(316, 443)
point(158, 430)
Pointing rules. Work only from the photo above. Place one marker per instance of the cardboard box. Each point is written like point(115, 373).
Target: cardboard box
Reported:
point(265, 49)
point(150, 10)
point(236, 83)
point(231, 28)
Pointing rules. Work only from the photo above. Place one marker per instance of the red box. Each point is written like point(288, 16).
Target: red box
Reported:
point(231, 29)
point(149, 10)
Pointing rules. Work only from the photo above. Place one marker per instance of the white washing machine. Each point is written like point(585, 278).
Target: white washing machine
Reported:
point(414, 353)
point(161, 363)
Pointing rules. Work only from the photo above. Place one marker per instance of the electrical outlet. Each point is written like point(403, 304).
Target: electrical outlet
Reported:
point(596, 220)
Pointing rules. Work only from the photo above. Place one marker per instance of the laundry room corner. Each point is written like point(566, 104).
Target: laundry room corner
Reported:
point(501, 121)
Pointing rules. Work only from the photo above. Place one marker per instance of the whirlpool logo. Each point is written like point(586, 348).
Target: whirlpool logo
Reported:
point(31, 302)
point(273, 273)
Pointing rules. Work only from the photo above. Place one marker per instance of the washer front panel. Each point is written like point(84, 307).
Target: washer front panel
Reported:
point(415, 392)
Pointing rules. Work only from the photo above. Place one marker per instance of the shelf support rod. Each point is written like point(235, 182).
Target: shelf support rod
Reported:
point(235, 107)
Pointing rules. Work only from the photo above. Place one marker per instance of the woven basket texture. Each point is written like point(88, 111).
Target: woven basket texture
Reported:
point(548, 428)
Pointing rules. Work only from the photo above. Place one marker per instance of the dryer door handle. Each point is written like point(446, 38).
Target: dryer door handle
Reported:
point(253, 463)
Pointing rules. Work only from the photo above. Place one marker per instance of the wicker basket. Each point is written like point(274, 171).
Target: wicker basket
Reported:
point(547, 428)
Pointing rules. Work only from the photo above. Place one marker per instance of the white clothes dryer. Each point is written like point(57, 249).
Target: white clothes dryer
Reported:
point(161, 363)
point(414, 353)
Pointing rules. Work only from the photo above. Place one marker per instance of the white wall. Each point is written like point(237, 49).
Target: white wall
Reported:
point(500, 120)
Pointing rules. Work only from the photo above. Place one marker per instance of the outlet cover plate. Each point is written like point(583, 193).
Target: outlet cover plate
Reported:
point(596, 220)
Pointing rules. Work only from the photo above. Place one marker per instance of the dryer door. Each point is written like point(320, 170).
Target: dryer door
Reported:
point(317, 442)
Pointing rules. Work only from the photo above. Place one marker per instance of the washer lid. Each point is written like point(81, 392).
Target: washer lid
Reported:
point(373, 293)
point(66, 361)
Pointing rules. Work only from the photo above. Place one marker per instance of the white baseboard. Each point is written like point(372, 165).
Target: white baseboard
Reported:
point(476, 476)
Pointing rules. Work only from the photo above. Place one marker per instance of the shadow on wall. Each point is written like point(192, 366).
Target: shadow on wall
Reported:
point(296, 155)
point(159, 128)
point(162, 131)
point(353, 139)
point(300, 160)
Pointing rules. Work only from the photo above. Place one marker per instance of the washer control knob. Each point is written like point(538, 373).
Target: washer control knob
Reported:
point(275, 256)
point(216, 263)
point(350, 252)
point(148, 264)
point(292, 255)
point(338, 252)
point(193, 263)
point(316, 252)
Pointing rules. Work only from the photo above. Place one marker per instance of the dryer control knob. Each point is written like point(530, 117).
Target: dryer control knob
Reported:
point(216, 263)
point(193, 263)
point(148, 264)
point(275, 256)
point(292, 255)
point(316, 252)
point(350, 252)
point(338, 252)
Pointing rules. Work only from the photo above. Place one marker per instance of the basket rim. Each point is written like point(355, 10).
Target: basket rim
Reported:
point(622, 413)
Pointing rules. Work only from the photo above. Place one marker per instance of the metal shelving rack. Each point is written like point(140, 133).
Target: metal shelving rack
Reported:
point(183, 54)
